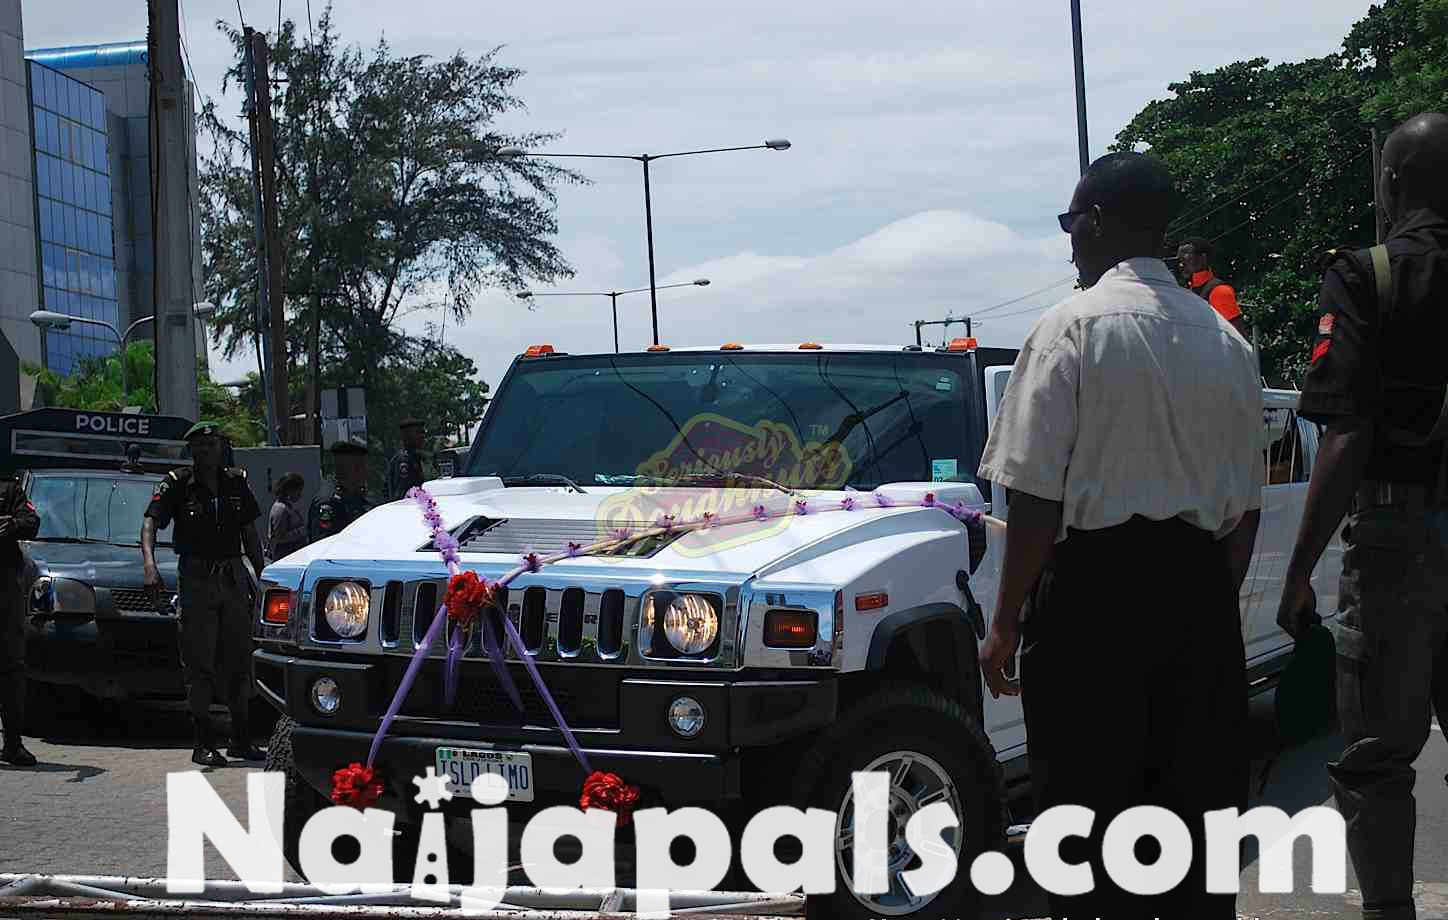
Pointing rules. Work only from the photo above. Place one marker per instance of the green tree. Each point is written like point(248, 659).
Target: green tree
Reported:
point(391, 198)
point(95, 384)
point(1275, 162)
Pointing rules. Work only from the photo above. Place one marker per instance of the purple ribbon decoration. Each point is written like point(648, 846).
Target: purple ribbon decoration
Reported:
point(456, 643)
point(407, 679)
point(495, 658)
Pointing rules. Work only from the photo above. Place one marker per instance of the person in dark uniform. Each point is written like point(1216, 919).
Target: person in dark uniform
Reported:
point(18, 521)
point(347, 500)
point(215, 515)
point(1377, 380)
point(405, 469)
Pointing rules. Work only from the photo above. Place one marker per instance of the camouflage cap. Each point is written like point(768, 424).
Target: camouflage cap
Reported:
point(204, 429)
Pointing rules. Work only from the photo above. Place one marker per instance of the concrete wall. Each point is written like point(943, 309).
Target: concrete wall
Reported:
point(19, 258)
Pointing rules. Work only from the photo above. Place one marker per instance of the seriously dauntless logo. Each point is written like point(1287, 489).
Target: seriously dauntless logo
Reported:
point(710, 445)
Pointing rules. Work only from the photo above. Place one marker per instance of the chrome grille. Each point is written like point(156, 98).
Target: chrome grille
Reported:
point(136, 600)
point(571, 622)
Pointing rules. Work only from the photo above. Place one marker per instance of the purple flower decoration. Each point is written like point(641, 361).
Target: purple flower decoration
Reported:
point(708, 519)
point(620, 533)
point(666, 522)
point(573, 548)
point(972, 518)
point(761, 513)
point(882, 501)
point(530, 561)
point(929, 501)
point(801, 507)
point(447, 546)
point(848, 504)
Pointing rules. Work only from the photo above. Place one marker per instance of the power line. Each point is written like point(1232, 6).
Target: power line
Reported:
point(1006, 303)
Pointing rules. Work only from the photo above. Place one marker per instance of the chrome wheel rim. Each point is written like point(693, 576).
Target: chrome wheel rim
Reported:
point(916, 781)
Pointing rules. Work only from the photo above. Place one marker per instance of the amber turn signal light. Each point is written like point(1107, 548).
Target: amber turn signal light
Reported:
point(790, 628)
point(872, 601)
point(276, 610)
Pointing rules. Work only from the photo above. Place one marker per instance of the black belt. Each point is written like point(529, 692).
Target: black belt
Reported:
point(1412, 496)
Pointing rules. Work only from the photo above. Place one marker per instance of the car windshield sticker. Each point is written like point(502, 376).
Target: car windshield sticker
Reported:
point(943, 384)
point(943, 470)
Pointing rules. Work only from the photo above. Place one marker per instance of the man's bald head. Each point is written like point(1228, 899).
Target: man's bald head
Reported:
point(1121, 210)
point(1415, 162)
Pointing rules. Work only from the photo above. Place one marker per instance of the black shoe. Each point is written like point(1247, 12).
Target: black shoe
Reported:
point(208, 757)
point(245, 751)
point(17, 754)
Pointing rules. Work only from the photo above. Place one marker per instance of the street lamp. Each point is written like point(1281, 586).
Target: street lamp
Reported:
point(49, 319)
point(511, 153)
point(613, 295)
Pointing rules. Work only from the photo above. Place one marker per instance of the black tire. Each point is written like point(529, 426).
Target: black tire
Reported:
point(300, 801)
point(941, 734)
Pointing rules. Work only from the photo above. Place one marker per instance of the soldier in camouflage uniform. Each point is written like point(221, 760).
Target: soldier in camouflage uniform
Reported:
point(347, 500)
point(215, 514)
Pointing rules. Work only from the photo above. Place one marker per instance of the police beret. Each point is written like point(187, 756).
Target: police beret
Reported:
point(351, 445)
point(204, 429)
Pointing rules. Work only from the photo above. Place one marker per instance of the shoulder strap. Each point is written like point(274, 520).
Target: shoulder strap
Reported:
point(1383, 276)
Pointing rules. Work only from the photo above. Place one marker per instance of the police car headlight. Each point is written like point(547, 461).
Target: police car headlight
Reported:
point(691, 624)
point(62, 595)
point(346, 609)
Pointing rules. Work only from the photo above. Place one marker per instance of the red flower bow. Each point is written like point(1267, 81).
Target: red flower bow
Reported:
point(467, 595)
point(609, 792)
point(356, 785)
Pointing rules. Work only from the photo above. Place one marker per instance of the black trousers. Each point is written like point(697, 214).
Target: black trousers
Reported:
point(1392, 646)
point(1133, 680)
point(12, 655)
point(216, 641)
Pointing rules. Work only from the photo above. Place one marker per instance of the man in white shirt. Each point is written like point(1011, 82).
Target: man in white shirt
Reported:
point(1130, 438)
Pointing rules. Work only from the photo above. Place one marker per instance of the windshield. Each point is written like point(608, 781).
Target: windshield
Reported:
point(93, 508)
point(809, 421)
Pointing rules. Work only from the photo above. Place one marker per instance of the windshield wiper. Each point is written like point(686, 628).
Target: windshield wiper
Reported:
point(543, 477)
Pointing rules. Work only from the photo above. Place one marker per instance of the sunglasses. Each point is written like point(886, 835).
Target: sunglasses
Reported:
point(1068, 219)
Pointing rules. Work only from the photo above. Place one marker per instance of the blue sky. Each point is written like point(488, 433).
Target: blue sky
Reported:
point(933, 145)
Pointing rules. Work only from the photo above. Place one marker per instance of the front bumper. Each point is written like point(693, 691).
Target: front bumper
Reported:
point(131, 655)
point(621, 724)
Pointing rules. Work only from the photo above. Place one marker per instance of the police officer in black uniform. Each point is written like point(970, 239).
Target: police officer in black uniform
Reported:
point(18, 521)
point(347, 500)
point(404, 471)
point(215, 514)
point(1377, 379)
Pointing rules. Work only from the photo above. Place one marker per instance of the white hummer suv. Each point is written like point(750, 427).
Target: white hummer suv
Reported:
point(809, 646)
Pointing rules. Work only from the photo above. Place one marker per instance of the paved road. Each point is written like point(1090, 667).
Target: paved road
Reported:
point(97, 806)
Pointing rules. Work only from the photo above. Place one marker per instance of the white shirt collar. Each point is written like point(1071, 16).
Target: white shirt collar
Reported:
point(1142, 268)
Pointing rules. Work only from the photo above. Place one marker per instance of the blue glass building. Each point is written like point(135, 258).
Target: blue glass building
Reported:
point(73, 201)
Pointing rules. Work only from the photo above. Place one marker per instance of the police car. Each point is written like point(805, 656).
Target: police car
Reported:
point(90, 623)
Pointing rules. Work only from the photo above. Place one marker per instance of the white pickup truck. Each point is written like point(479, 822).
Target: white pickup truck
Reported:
point(735, 667)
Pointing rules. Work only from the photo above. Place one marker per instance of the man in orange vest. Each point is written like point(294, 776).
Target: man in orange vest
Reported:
point(1194, 261)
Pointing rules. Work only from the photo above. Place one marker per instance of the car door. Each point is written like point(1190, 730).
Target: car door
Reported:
point(1005, 720)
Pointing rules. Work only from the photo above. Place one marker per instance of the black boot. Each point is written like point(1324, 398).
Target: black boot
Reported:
point(14, 752)
point(205, 752)
point(244, 750)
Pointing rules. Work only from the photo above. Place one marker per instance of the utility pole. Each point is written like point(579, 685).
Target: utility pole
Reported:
point(263, 279)
point(1080, 86)
point(173, 290)
point(276, 295)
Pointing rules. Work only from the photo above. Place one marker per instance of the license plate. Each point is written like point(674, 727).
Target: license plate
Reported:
point(463, 765)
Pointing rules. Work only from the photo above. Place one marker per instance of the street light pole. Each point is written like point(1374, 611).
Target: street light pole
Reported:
point(47, 319)
point(614, 297)
point(1080, 86)
point(510, 153)
point(649, 224)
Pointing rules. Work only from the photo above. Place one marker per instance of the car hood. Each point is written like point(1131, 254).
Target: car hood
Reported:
point(95, 563)
point(545, 519)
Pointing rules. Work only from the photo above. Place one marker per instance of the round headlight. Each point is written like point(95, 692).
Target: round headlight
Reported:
point(690, 624)
point(326, 695)
point(686, 716)
point(346, 609)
